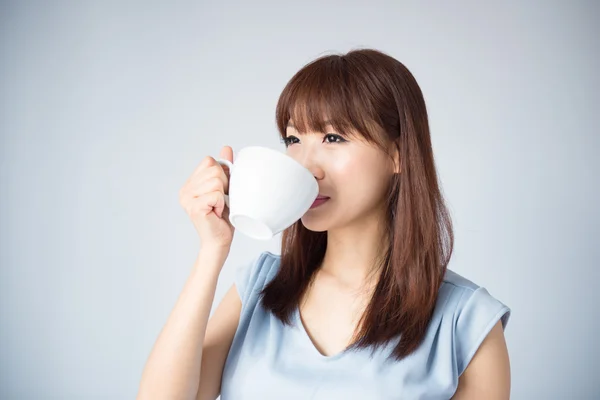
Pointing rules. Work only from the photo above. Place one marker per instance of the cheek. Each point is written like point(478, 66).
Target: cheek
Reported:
point(342, 166)
point(359, 181)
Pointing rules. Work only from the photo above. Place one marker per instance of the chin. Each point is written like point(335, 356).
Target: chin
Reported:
point(315, 224)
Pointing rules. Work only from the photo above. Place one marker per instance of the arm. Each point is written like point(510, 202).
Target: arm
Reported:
point(219, 335)
point(488, 374)
point(173, 369)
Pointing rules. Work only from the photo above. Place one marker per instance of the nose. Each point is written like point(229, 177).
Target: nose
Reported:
point(309, 160)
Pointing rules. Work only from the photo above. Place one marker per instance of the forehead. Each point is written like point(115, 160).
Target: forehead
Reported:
point(290, 124)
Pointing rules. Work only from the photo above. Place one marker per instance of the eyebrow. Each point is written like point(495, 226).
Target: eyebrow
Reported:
point(290, 125)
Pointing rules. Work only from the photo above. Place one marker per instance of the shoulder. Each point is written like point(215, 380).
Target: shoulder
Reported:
point(460, 292)
point(459, 281)
point(472, 312)
point(252, 277)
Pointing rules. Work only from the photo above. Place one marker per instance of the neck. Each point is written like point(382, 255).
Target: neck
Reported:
point(354, 252)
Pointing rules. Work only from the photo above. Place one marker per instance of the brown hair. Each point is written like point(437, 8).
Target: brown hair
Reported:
point(366, 92)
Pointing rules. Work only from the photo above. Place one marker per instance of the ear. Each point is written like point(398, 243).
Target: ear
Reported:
point(396, 157)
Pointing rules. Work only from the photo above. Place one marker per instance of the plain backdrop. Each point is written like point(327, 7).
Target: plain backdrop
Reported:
point(106, 107)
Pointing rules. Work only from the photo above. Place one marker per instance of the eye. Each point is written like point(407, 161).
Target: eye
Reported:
point(289, 140)
point(333, 138)
point(329, 138)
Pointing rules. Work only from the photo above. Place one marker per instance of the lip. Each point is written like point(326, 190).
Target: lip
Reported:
point(319, 200)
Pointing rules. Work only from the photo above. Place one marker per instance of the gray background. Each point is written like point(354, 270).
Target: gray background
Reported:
point(107, 107)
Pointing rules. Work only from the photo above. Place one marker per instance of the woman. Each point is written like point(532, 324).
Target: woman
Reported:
point(360, 305)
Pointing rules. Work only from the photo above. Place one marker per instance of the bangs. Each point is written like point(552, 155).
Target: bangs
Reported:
point(327, 92)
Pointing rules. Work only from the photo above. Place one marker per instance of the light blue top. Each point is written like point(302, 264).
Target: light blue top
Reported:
point(268, 360)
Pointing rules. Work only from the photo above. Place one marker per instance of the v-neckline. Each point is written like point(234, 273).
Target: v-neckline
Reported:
point(306, 337)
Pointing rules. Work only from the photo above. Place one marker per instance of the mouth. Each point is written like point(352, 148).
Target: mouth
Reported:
point(319, 201)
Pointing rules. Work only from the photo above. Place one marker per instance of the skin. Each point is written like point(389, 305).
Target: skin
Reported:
point(355, 175)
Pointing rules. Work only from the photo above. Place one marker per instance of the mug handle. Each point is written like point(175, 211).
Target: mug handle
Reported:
point(228, 164)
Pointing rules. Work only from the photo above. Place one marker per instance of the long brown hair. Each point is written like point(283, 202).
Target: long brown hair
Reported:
point(369, 93)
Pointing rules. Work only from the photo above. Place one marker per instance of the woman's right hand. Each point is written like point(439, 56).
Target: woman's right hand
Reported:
point(203, 198)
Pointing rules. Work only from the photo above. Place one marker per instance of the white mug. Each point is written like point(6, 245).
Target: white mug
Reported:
point(268, 191)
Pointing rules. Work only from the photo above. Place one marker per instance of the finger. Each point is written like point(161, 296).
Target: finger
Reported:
point(208, 202)
point(206, 162)
point(226, 153)
point(206, 186)
point(225, 216)
point(216, 200)
point(216, 171)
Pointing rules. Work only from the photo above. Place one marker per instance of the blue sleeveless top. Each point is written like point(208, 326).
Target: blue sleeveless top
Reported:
point(268, 360)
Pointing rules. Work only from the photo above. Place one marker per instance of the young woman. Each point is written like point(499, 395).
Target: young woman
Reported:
point(360, 304)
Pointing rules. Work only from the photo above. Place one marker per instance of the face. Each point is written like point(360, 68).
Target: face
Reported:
point(351, 172)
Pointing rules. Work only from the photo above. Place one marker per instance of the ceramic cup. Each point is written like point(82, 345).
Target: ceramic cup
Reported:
point(268, 191)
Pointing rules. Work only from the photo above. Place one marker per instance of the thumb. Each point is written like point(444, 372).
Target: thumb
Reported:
point(227, 153)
